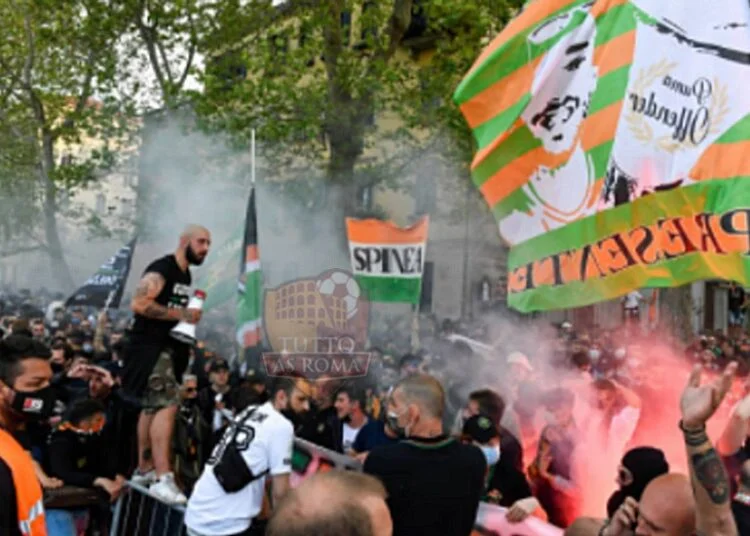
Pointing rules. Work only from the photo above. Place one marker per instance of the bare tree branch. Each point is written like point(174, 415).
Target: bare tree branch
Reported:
point(83, 96)
point(147, 33)
point(163, 54)
point(398, 24)
point(191, 52)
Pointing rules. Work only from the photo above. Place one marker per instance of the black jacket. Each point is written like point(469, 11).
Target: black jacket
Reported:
point(78, 459)
point(323, 428)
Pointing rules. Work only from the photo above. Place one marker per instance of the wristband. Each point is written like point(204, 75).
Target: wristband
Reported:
point(689, 431)
point(694, 438)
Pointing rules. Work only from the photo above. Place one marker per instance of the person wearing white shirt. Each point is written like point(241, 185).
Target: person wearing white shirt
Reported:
point(229, 493)
point(350, 409)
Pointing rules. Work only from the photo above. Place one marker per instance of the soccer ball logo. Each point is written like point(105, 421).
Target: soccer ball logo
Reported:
point(340, 285)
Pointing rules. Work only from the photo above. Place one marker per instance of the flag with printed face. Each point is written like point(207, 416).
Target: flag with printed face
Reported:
point(612, 146)
point(388, 260)
point(250, 282)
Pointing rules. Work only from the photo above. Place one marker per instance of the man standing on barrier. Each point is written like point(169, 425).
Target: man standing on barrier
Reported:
point(25, 394)
point(154, 361)
point(230, 492)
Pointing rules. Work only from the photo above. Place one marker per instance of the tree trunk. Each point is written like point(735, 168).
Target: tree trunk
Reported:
point(58, 264)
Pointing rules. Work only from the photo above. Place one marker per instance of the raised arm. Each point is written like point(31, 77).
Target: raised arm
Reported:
point(144, 304)
point(736, 430)
point(710, 481)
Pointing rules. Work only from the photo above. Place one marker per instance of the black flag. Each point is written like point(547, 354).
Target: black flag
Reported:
point(105, 287)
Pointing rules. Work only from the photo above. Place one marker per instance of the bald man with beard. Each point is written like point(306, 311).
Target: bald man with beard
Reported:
point(154, 361)
point(667, 508)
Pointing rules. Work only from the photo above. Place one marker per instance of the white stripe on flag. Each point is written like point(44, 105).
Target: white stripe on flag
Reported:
point(251, 325)
point(252, 266)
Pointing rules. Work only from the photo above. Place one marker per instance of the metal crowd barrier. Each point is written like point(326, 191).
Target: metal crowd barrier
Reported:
point(137, 513)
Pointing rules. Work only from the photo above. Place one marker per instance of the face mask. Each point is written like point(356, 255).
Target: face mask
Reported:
point(491, 454)
point(392, 421)
point(620, 353)
point(57, 367)
point(88, 348)
point(36, 405)
point(594, 355)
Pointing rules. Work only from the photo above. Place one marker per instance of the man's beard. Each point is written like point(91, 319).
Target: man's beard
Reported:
point(192, 258)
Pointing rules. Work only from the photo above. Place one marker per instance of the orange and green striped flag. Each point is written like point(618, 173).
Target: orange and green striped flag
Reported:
point(388, 260)
point(613, 146)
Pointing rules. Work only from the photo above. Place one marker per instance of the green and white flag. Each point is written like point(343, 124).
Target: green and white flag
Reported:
point(250, 283)
point(387, 260)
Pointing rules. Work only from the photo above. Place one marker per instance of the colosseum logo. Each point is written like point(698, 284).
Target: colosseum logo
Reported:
point(317, 327)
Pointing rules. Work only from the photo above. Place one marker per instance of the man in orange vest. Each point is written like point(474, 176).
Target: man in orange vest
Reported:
point(25, 394)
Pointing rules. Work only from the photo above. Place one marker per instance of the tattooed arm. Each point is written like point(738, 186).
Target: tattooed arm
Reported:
point(149, 287)
point(710, 481)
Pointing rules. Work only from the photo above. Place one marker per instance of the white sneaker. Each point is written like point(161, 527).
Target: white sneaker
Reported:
point(143, 479)
point(167, 491)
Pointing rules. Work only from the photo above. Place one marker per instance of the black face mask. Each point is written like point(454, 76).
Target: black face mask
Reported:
point(191, 257)
point(35, 405)
point(57, 368)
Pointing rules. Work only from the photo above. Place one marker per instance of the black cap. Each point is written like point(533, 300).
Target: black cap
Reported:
point(480, 428)
point(254, 376)
point(219, 364)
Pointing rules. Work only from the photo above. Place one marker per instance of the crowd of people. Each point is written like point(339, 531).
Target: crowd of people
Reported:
point(541, 421)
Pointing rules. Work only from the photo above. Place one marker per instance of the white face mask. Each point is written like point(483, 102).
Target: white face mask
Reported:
point(594, 355)
point(620, 353)
point(491, 454)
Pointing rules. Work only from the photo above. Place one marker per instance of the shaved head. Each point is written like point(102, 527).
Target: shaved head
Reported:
point(423, 391)
point(195, 241)
point(344, 503)
point(192, 230)
point(667, 507)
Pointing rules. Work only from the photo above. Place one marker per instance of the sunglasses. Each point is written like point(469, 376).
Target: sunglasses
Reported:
point(191, 390)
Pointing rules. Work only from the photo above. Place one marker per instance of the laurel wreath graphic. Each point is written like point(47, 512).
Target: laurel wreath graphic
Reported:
point(637, 124)
point(643, 132)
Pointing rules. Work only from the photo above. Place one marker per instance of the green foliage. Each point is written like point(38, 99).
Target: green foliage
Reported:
point(58, 111)
point(312, 76)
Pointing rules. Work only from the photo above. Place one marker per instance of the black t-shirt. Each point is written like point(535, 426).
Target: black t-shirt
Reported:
point(508, 481)
point(434, 485)
point(175, 294)
point(148, 337)
point(8, 506)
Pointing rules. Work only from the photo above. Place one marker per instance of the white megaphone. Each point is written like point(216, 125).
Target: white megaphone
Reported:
point(185, 331)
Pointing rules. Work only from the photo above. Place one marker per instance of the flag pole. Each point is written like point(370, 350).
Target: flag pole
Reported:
point(252, 157)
